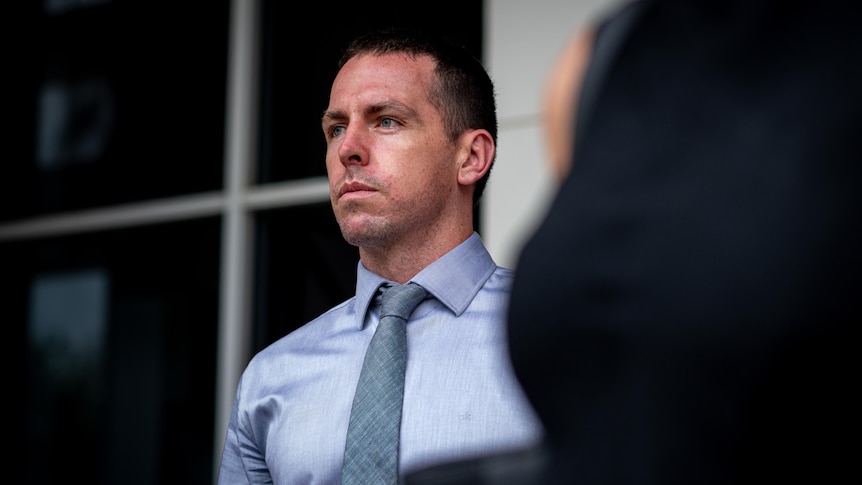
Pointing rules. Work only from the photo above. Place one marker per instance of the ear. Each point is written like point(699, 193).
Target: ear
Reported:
point(478, 148)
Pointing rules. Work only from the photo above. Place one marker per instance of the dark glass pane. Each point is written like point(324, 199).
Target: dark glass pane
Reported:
point(114, 102)
point(303, 268)
point(298, 68)
point(119, 335)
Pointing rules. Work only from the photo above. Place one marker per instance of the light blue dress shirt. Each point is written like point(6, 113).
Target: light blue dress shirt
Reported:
point(289, 419)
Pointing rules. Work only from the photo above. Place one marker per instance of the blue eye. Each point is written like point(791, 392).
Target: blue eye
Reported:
point(387, 122)
point(337, 130)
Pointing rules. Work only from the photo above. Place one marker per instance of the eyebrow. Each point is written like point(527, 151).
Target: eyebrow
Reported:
point(394, 106)
point(399, 108)
point(330, 116)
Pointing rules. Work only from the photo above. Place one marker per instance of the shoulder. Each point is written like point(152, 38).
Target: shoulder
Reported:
point(503, 275)
point(499, 283)
point(307, 337)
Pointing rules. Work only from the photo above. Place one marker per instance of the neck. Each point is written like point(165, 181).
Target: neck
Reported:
point(399, 262)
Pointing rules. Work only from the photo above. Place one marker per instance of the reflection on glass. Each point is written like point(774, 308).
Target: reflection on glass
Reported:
point(67, 322)
point(66, 336)
point(58, 7)
point(75, 121)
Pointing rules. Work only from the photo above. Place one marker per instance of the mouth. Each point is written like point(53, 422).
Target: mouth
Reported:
point(355, 190)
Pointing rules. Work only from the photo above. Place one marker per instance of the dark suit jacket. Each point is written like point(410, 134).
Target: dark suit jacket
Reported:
point(688, 310)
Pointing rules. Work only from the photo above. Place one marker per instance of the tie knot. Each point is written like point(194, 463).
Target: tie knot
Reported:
point(401, 300)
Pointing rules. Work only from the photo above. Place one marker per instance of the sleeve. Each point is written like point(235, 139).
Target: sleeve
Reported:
point(242, 461)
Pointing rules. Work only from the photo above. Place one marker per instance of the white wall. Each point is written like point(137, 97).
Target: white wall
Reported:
point(522, 40)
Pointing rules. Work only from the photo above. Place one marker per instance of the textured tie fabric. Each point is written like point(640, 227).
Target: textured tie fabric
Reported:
point(371, 451)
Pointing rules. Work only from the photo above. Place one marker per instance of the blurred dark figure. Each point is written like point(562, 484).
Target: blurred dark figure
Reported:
point(688, 310)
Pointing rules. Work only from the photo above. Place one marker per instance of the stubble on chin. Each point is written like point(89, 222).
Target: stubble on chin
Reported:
point(361, 229)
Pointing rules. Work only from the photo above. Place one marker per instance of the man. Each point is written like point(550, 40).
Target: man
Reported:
point(411, 136)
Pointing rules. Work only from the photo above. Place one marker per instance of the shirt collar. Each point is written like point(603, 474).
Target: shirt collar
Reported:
point(454, 279)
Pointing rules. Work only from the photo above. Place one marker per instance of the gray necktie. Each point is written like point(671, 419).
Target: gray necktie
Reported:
point(371, 451)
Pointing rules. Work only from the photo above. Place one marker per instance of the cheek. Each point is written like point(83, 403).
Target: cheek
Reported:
point(418, 170)
point(433, 178)
point(333, 165)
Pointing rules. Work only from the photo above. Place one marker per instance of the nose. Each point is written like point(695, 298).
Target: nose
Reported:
point(354, 146)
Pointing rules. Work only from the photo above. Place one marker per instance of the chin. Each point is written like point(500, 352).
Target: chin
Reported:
point(364, 233)
point(352, 232)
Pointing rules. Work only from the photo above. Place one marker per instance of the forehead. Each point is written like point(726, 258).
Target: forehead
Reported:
point(373, 78)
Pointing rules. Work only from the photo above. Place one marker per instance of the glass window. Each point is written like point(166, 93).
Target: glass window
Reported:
point(119, 330)
point(116, 102)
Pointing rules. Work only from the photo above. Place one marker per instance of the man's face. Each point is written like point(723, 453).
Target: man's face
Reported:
point(392, 170)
